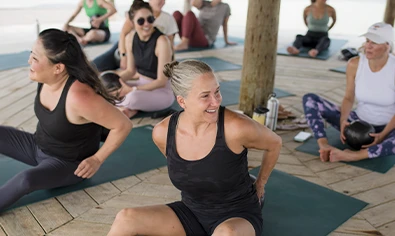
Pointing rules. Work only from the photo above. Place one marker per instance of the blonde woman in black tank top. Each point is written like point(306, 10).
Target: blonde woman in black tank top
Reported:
point(206, 147)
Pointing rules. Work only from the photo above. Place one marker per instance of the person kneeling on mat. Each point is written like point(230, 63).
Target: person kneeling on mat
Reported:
point(206, 147)
point(370, 80)
point(72, 107)
point(316, 17)
point(146, 57)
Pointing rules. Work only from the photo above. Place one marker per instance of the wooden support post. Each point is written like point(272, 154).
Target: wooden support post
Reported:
point(389, 15)
point(187, 6)
point(260, 48)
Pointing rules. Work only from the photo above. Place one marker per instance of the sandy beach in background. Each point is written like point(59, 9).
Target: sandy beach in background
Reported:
point(18, 19)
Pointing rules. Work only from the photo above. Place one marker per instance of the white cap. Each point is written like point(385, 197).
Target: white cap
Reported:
point(380, 33)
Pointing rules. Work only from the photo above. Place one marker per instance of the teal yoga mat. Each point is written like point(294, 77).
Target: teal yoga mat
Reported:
point(295, 207)
point(217, 64)
point(336, 45)
point(230, 91)
point(219, 43)
point(136, 155)
point(381, 164)
point(14, 60)
point(340, 69)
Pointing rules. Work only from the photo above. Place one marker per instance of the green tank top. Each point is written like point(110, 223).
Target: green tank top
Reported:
point(95, 10)
point(318, 25)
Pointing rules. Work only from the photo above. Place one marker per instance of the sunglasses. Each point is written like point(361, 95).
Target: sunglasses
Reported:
point(149, 19)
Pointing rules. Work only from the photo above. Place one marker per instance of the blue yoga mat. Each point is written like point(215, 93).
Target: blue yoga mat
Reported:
point(113, 39)
point(14, 60)
point(295, 207)
point(336, 45)
point(340, 69)
point(381, 164)
point(217, 64)
point(219, 43)
point(230, 91)
point(136, 155)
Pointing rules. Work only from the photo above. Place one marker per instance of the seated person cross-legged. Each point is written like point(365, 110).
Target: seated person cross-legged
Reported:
point(146, 56)
point(202, 32)
point(370, 80)
point(316, 17)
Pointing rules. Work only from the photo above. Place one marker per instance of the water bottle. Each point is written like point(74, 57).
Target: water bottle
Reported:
point(259, 115)
point(273, 105)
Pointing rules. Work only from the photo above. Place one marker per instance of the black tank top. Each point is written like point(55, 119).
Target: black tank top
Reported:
point(144, 55)
point(57, 137)
point(218, 183)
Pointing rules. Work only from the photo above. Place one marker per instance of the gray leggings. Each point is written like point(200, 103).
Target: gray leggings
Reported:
point(47, 171)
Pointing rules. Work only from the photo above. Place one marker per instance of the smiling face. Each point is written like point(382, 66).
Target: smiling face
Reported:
point(374, 50)
point(143, 22)
point(204, 98)
point(41, 68)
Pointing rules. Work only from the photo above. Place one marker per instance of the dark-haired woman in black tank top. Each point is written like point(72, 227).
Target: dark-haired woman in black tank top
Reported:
point(72, 108)
point(206, 150)
point(146, 56)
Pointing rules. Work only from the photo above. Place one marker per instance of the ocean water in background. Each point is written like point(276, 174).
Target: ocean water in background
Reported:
point(18, 18)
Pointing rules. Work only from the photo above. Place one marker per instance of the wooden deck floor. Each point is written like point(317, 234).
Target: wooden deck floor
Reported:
point(92, 211)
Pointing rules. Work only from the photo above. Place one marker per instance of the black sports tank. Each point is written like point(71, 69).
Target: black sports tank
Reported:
point(215, 185)
point(57, 137)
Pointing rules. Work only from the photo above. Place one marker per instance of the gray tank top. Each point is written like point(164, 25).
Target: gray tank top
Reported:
point(318, 25)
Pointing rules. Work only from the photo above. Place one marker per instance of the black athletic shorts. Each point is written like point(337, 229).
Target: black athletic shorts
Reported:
point(106, 31)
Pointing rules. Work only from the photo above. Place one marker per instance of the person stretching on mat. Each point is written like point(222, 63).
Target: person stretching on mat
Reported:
point(72, 108)
point(202, 33)
point(370, 80)
point(98, 11)
point(163, 21)
point(316, 17)
point(206, 147)
point(146, 55)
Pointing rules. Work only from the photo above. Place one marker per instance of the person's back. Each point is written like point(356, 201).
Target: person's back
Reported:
point(211, 18)
point(375, 91)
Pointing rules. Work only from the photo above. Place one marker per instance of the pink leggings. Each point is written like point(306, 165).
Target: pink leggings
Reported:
point(189, 27)
point(148, 101)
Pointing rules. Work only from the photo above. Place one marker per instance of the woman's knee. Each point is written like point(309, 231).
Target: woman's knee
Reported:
point(310, 96)
point(190, 15)
point(177, 15)
point(126, 221)
point(225, 230)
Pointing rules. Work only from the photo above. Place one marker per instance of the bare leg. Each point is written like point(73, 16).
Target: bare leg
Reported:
point(347, 155)
point(313, 52)
point(325, 149)
point(77, 32)
point(149, 220)
point(94, 36)
point(183, 45)
point(292, 50)
point(235, 227)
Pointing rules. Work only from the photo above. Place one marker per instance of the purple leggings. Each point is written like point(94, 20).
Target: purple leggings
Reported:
point(189, 27)
point(317, 109)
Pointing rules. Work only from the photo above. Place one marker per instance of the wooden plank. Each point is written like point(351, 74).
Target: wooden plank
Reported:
point(50, 214)
point(364, 182)
point(103, 192)
point(126, 183)
point(2, 233)
point(147, 174)
point(317, 165)
point(378, 195)
point(30, 125)
point(381, 214)
point(295, 169)
point(341, 173)
point(388, 229)
point(13, 97)
point(77, 202)
point(359, 227)
point(16, 107)
point(154, 190)
point(20, 117)
point(160, 178)
point(20, 222)
point(81, 228)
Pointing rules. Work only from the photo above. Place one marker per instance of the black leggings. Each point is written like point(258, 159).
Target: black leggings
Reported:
point(317, 40)
point(47, 171)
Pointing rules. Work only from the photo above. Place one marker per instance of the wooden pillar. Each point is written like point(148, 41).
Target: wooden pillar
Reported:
point(187, 6)
point(260, 48)
point(389, 15)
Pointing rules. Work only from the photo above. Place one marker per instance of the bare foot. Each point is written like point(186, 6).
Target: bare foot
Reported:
point(181, 46)
point(292, 50)
point(313, 52)
point(339, 155)
point(325, 151)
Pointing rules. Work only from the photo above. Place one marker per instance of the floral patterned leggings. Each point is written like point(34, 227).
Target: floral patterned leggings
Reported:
point(317, 110)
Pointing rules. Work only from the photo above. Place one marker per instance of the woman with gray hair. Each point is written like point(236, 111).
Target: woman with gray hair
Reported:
point(206, 147)
point(370, 80)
